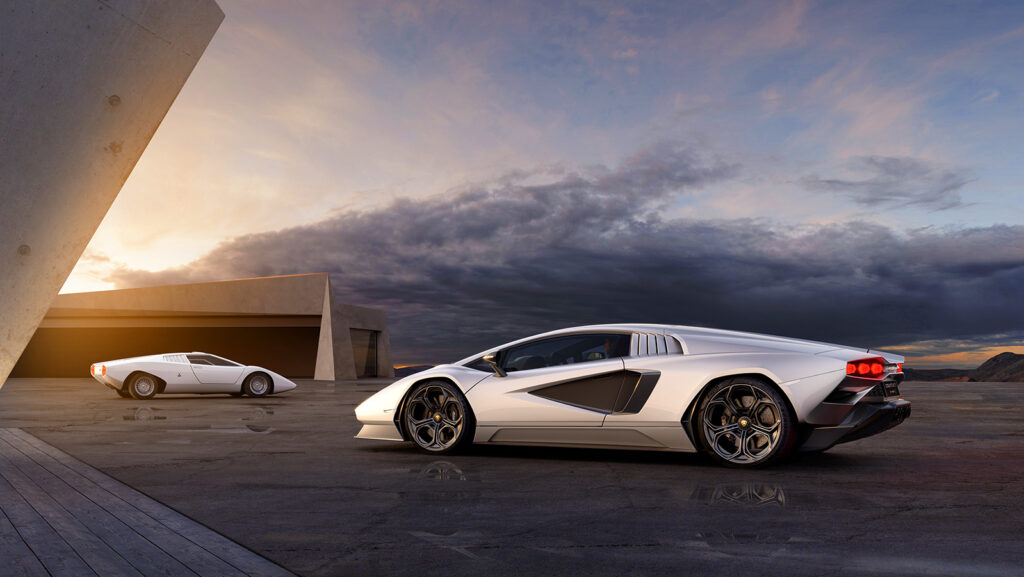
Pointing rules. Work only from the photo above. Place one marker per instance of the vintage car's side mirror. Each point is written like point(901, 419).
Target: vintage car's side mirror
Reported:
point(493, 361)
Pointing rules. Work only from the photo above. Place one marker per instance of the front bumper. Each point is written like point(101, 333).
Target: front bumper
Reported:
point(865, 419)
point(109, 381)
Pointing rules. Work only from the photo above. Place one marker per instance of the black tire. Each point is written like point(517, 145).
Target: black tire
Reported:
point(437, 418)
point(745, 422)
point(143, 386)
point(258, 385)
point(123, 393)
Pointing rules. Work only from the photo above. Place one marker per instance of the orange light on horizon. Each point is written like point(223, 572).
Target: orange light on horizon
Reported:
point(956, 360)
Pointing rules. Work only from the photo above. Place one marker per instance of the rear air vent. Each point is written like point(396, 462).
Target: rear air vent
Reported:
point(650, 345)
point(175, 358)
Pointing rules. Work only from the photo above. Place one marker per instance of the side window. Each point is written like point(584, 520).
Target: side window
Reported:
point(220, 362)
point(565, 350)
point(199, 360)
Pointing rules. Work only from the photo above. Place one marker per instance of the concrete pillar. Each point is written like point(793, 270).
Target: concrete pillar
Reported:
point(334, 358)
point(83, 86)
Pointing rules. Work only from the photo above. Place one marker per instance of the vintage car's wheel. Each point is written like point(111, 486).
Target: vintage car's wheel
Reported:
point(142, 386)
point(256, 385)
point(745, 422)
point(437, 417)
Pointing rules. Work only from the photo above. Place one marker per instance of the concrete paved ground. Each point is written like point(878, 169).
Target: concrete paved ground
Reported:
point(940, 495)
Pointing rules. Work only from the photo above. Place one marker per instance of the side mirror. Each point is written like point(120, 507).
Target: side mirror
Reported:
point(493, 361)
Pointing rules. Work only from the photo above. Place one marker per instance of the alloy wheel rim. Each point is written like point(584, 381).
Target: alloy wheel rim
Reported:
point(258, 385)
point(144, 386)
point(435, 418)
point(742, 424)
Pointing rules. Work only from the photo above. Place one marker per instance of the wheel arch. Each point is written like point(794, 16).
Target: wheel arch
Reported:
point(766, 377)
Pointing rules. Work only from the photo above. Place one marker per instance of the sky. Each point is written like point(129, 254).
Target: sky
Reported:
point(482, 171)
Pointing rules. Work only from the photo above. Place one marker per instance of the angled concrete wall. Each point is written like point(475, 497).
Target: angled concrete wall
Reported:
point(83, 86)
point(289, 324)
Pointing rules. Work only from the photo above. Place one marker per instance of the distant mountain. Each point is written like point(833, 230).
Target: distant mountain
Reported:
point(1002, 368)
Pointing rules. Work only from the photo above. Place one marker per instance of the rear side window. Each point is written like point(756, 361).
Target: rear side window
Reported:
point(566, 350)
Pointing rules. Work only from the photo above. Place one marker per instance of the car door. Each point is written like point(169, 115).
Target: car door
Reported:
point(178, 375)
point(214, 373)
point(565, 381)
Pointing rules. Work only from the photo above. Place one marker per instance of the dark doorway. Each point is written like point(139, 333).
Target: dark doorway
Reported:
point(364, 351)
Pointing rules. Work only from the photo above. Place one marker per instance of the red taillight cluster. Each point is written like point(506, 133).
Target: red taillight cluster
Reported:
point(100, 370)
point(873, 368)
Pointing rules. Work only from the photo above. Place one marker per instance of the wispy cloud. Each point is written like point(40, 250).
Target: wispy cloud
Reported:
point(901, 181)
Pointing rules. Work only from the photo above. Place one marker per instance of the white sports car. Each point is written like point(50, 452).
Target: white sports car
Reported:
point(195, 373)
point(746, 399)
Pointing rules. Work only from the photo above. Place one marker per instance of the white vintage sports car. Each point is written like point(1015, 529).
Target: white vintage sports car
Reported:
point(745, 399)
point(195, 373)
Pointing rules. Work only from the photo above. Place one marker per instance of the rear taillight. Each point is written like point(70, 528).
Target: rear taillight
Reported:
point(100, 370)
point(873, 368)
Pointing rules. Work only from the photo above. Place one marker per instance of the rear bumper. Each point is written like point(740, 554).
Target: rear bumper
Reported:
point(864, 420)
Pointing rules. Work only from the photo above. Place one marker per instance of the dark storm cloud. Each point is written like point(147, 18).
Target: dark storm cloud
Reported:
point(894, 180)
point(500, 260)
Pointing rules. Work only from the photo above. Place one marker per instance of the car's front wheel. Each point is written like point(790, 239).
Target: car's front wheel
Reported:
point(256, 385)
point(745, 422)
point(437, 417)
point(142, 386)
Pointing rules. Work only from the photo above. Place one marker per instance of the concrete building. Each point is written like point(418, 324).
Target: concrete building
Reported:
point(83, 86)
point(289, 324)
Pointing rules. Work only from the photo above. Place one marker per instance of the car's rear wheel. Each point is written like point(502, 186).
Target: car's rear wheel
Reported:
point(123, 393)
point(437, 418)
point(256, 385)
point(142, 386)
point(745, 422)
